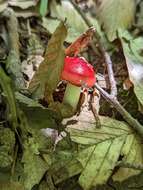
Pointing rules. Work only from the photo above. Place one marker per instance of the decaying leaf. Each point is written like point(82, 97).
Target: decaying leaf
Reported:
point(48, 75)
point(80, 43)
point(114, 15)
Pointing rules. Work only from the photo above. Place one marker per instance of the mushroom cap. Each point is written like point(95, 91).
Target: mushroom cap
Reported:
point(78, 72)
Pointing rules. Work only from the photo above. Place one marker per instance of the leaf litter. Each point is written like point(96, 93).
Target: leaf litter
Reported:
point(73, 149)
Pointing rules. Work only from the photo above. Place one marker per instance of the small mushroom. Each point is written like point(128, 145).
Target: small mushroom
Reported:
point(78, 72)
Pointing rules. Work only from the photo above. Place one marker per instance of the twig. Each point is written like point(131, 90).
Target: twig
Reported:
point(127, 117)
point(110, 73)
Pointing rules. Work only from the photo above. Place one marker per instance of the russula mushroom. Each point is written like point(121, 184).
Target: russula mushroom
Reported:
point(78, 72)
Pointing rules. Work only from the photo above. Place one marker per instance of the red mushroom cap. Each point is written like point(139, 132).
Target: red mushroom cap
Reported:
point(78, 72)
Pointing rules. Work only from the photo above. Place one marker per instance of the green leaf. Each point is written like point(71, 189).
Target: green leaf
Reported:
point(13, 62)
point(114, 15)
point(43, 7)
point(69, 169)
point(75, 23)
point(39, 118)
point(49, 72)
point(50, 24)
point(34, 166)
point(100, 163)
point(27, 101)
point(3, 5)
point(102, 149)
point(34, 170)
point(132, 48)
point(65, 164)
point(6, 85)
point(7, 143)
point(132, 152)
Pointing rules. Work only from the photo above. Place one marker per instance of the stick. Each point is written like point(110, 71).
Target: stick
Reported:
point(110, 73)
point(127, 117)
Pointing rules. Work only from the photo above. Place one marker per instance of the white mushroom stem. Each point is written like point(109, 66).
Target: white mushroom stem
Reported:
point(72, 95)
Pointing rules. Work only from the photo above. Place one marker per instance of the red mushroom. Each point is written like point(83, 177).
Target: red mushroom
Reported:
point(78, 72)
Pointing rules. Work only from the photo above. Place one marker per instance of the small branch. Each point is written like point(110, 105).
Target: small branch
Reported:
point(127, 117)
point(110, 73)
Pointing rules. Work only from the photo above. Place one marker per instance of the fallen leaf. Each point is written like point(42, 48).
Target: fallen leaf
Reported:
point(103, 148)
point(132, 48)
point(34, 167)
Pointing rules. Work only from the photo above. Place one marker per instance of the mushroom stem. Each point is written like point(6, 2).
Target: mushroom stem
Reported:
point(72, 95)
